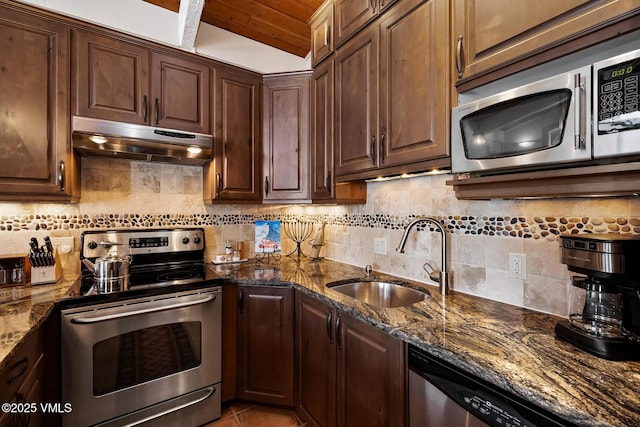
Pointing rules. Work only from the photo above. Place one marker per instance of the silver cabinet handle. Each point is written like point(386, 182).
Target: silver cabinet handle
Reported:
point(339, 332)
point(218, 184)
point(61, 177)
point(157, 111)
point(373, 149)
point(144, 109)
point(18, 369)
point(381, 148)
point(459, 57)
point(580, 113)
point(329, 328)
point(266, 186)
point(151, 308)
point(372, 6)
point(326, 34)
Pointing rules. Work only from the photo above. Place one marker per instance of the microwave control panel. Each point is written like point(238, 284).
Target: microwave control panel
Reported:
point(619, 97)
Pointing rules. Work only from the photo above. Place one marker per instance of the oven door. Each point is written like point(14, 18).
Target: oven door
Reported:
point(530, 127)
point(119, 358)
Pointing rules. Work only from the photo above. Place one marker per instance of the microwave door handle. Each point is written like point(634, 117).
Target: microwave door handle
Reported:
point(580, 113)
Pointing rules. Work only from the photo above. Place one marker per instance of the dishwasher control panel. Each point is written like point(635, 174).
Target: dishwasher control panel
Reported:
point(491, 411)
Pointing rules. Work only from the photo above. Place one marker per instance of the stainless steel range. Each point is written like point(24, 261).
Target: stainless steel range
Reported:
point(145, 348)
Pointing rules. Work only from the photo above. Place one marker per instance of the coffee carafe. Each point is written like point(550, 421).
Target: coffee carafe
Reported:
point(604, 314)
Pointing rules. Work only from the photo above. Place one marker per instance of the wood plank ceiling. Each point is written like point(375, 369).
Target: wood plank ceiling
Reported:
point(278, 23)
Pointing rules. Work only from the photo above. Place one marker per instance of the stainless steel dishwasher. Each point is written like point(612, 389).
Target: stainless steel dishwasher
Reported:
point(441, 395)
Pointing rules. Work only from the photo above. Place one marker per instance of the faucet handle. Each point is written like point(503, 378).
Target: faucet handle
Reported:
point(368, 270)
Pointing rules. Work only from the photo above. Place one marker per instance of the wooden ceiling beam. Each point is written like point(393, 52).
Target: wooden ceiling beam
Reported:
point(189, 20)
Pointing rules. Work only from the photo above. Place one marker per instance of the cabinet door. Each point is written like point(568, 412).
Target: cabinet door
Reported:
point(322, 33)
point(179, 94)
point(234, 173)
point(266, 345)
point(414, 82)
point(371, 375)
point(494, 33)
point(316, 361)
point(356, 103)
point(322, 172)
point(352, 15)
point(229, 341)
point(111, 79)
point(285, 147)
point(36, 160)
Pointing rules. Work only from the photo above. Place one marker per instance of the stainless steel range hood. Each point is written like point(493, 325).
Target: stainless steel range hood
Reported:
point(96, 137)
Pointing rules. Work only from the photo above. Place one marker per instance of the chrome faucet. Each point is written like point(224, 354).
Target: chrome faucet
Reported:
point(442, 277)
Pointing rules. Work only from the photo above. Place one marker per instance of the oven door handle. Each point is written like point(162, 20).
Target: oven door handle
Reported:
point(126, 312)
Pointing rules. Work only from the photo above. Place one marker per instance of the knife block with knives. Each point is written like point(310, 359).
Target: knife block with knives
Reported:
point(45, 262)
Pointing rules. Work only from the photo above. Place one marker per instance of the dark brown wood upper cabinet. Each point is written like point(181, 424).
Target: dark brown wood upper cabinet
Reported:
point(392, 93)
point(111, 79)
point(180, 93)
point(265, 344)
point(285, 146)
point(322, 37)
point(414, 110)
point(234, 174)
point(322, 118)
point(357, 103)
point(36, 160)
point(324, 188)
point(489, 35)
point(122, 81)
point(353, 15)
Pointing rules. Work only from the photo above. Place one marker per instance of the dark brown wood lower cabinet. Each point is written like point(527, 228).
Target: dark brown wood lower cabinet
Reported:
point(316, 369)
point(349, 373)
point(265, 345)
point(21, 383)
point(229, 341)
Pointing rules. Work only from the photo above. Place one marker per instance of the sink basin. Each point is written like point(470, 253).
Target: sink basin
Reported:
point(382, 294)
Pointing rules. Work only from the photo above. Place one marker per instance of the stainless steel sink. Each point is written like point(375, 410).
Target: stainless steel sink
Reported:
point(382, 294)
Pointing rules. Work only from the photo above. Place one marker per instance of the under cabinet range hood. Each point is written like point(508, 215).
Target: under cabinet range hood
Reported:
point(97, 137)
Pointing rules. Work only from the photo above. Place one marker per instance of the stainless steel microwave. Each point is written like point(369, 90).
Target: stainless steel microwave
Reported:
point(589, 113)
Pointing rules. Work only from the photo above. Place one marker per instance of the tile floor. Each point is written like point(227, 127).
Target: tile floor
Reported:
point(239, 414)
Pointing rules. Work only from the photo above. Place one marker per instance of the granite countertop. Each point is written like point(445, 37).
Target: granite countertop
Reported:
point(23, 309)
point(511, 347)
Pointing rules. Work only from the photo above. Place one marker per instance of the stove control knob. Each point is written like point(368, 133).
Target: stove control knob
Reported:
point(92, 245)
point(196, 240)
point(185, 240)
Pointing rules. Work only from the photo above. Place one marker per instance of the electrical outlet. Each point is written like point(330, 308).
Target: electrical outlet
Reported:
point(517, 266)
point(62, 245)
point(380, 246)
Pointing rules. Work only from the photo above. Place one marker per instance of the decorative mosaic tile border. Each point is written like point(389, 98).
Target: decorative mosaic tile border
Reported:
point(521, 227)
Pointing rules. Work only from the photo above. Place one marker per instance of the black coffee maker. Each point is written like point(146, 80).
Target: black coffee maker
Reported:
point(604, 317)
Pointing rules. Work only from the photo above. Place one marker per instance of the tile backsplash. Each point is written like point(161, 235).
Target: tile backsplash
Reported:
point(482, 234)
